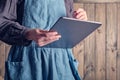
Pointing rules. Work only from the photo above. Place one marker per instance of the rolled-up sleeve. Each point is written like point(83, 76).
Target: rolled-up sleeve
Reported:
point(11, 32)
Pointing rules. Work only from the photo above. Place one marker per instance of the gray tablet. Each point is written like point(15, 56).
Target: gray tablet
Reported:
point(72, 31)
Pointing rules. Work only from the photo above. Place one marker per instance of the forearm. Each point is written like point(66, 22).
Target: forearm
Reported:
point(13, 33)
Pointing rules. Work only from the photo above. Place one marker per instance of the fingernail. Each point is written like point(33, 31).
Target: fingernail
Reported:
point(75, 14)
point(60, 36)
point(75, 11)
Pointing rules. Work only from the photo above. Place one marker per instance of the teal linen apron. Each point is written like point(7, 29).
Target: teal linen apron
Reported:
point(39, 63)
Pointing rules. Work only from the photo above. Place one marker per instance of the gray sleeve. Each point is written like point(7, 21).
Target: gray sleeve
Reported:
point(69, 8)
point(11, 32)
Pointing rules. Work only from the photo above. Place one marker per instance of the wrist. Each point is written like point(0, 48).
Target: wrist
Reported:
point(28, 35)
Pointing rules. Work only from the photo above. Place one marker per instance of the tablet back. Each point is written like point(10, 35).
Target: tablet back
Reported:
point(72, 31)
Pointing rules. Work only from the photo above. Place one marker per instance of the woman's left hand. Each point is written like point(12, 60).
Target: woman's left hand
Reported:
point(80, 14)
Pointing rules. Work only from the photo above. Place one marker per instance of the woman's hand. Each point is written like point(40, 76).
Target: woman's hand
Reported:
point(80, 14)
point(42, 37)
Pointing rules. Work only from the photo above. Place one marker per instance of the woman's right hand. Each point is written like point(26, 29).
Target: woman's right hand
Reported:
point(42, 37)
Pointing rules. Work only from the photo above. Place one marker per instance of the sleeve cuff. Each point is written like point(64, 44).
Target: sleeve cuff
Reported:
point(25, 41)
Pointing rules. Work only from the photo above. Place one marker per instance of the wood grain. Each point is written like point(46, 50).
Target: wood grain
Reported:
point(96, 1)
point(111, 40)
point(89, 63)
point(2, 59)
point(118, 42)
point(100, 42)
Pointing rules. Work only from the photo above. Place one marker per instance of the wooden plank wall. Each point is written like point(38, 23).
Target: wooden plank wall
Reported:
point(118, 44)
point(96, 1)
point(99, 53)
point(4, 49)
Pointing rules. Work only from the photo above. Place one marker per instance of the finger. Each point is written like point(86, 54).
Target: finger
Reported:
point(81, 18)
point(47, 33)
point(47, 41)
point(79, 10)
point(47, 38)
point(51, 33)
point(81, 15)
point(52, 37)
